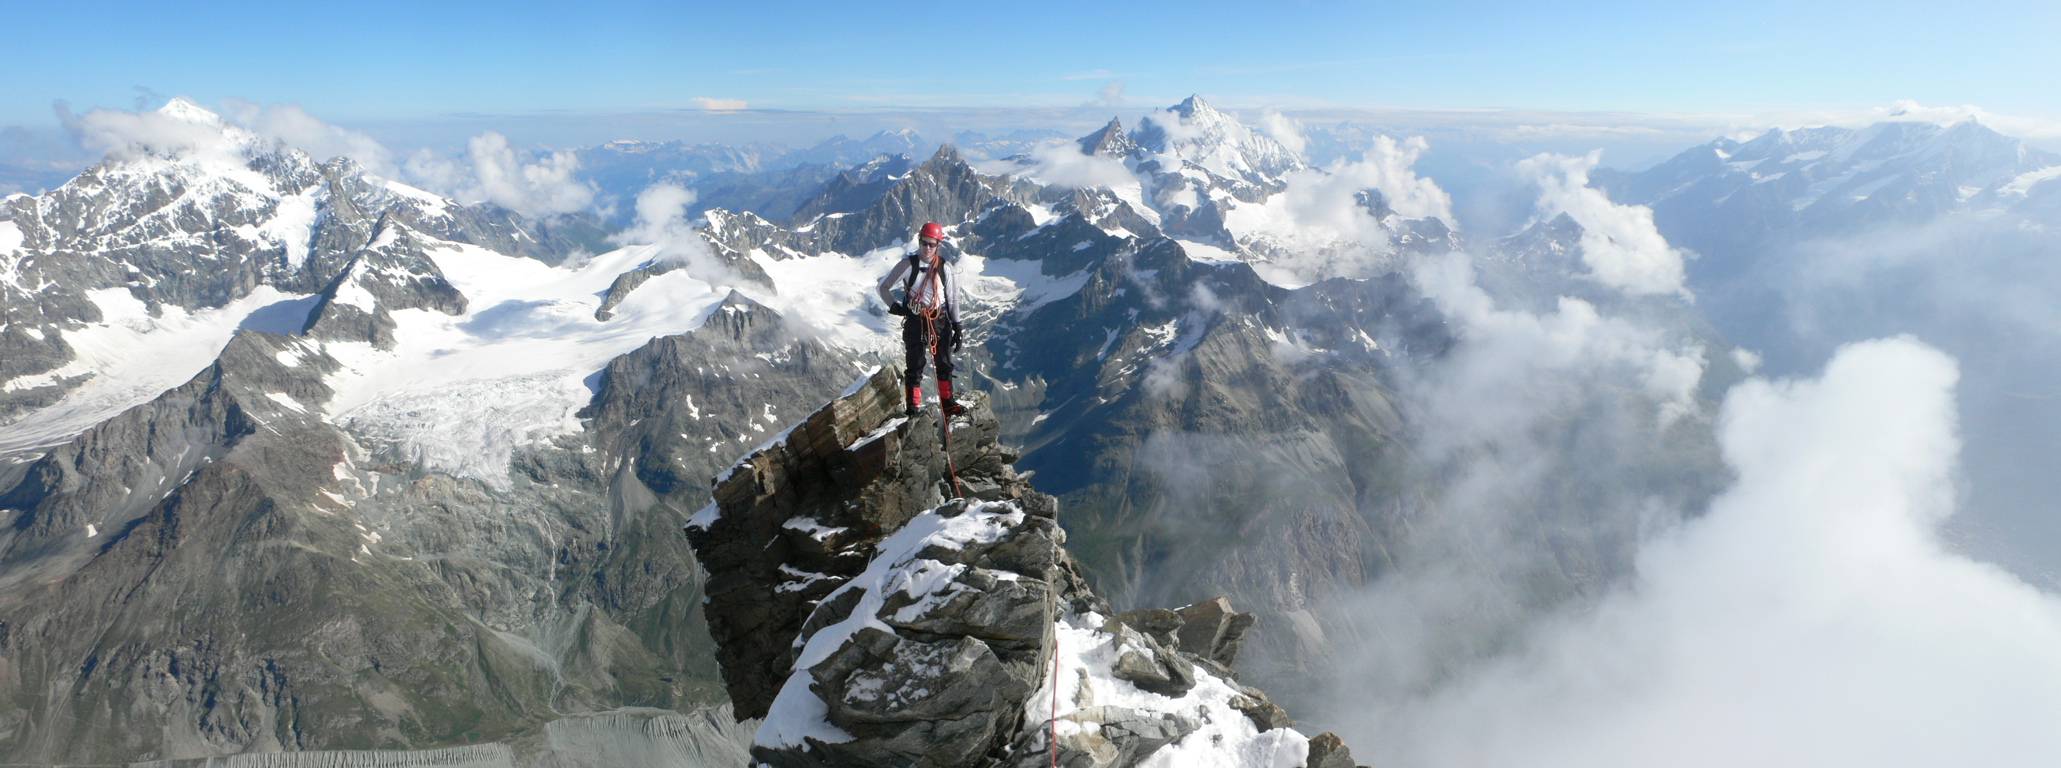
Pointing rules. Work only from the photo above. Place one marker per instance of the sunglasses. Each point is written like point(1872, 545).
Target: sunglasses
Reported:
point(928, 243)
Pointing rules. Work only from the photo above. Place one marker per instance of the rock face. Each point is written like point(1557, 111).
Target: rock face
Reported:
point(221, 570)
point(875, 617)
point(1328, 751)
point(797, 519)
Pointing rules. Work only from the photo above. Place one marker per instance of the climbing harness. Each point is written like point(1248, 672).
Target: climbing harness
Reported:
point(930, 311)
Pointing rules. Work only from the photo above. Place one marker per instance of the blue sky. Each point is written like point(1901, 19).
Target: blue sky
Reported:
point(388, 61)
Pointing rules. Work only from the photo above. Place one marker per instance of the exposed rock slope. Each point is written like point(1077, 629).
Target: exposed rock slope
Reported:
point(222, 571)
point(873, 622)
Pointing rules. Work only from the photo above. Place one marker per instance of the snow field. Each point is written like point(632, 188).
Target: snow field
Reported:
point(1227, 739)
point(796, 712)
point(131, 357)
point(460, 394)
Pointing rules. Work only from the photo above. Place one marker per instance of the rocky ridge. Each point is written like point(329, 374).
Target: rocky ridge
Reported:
point(874, 616)
point(221, 570)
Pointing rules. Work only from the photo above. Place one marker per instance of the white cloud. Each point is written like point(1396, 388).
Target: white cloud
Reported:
point(2026, 127)
point(1536, 436)
point(1812, 617)
point(491, 171)
point(1060, 162)
point(1110, 96)
point(1316, 226)
point(1283, 129)
point(720, 105)
point(294, 126)
point(179, 128)
point(1619, 242)
point(1388, 167)
point(662, 221)
point(1497, 384)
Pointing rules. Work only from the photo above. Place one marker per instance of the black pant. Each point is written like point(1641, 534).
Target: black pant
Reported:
point(916, 342)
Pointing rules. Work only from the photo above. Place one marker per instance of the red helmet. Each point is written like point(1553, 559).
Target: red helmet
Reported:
point(932, 230)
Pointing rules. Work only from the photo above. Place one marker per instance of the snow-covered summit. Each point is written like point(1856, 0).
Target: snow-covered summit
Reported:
point(1818, 172)
point(1729, 198)
point(181, 108)
point(1200, 134)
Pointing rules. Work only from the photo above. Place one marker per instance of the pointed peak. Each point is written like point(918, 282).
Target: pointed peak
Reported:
point(1109, 140)
point(947, 154)
point(1194, 105)
point(737, 298)
point(739, 310)
point(182, 108)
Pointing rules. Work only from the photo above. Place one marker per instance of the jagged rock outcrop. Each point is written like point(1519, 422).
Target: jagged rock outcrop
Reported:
point(798, 518)
point(392, 272)
point(1328, 751)
point(876, 211)
point(1110, 141)
point(855, 189)
point(876, 617)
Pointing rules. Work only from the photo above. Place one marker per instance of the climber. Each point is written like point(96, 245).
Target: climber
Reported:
point(930, 306)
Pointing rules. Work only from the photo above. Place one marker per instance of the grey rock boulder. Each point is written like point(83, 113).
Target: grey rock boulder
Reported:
point(1328, 751)
point(1211, 630)
point(1119, 737)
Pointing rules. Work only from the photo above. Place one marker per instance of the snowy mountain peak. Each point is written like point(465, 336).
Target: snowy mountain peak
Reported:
point(632, 145)
point(1731, 197)
point(1109, 141)
point(1215, 142)
point(1194, 109)
point(179, 108)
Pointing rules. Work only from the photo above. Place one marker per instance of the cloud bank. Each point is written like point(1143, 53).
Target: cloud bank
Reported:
point(662, 221)
point(293, 126)
point(1619, 243)
point(1811, 618)
point(1317, 227)
point(179, 128)
point(1060, 162)
point(492, 171)
point(720, 105)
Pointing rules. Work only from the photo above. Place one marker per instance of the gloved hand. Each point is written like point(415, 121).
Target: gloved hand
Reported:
point(898, 308)
point(958, 337)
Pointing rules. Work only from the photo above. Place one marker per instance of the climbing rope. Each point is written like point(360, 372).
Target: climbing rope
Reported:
point(1052, 725)
point(930, 311)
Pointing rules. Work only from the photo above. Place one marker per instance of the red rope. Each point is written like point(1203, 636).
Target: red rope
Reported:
point(930, 313)
point(1052, 735)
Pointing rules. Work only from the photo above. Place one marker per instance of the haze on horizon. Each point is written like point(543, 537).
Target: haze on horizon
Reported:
point(381, 63)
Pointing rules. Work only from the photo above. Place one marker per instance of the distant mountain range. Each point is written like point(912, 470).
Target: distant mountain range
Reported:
point(1730, 199)
point(293, 457)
